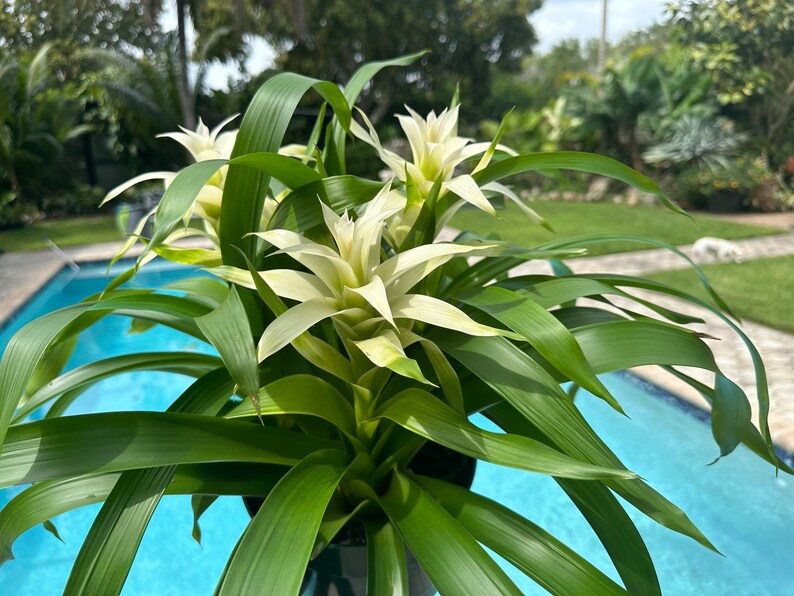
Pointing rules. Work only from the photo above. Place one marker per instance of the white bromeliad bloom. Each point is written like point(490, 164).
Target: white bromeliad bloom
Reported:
point(368, 300)
point(203, 144)
point(437, 151)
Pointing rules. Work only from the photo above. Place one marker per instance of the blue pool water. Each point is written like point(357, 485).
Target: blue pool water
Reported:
point(742, 507)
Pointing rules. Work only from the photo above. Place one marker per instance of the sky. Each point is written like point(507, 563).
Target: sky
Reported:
point(563, 19)
point(557, 20)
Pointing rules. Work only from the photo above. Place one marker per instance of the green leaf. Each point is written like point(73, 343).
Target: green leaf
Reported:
point(529, 547)
point(300, 394)
point(189, 256)
point(136, 494)
point(624, 344)
point(199, 504)
point(445, 372)
point(353, 89)
point(386, 567)
point(109, 549)
point(603, 512)
point(367, 72)
point(203, 289)
point(178, 198)
point(577, 241)
point(617, 533)
point(425, 415)
point(275, 549)
point(730, 414)
point(749, 433)
point(96, 443)
point(300, 210)
point(22, 354)
point(574, 160)
point(59, 406)
point(553, 291)
point(227, 329)
point(48, 499)
point(82, 377)
point(27, 347)
point(544, 332)
point(287, 170)
point(449, 555)
point(761, 385)
point(262, 130)
point(50, 527)
point(528, 388)
point(51, 365)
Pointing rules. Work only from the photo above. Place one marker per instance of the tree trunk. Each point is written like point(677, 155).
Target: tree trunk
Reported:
point(185, 96)
point(634, 148)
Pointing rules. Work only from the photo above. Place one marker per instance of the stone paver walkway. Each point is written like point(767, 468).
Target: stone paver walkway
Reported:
point(23, 274)
point(646, 261)
point(784, 221)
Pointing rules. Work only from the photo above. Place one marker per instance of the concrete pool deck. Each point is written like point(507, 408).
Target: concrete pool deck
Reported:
point(25, 273)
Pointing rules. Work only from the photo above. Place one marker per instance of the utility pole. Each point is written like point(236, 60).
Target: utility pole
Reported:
point(602, 42)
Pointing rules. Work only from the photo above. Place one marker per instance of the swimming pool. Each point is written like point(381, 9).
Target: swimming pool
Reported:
point(740, 505)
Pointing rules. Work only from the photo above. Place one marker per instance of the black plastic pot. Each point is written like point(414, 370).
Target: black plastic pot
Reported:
point(341, 569)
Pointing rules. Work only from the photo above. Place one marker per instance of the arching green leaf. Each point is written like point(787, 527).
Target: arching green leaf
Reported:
point(82, 377)
point(96, 443)
point(300, 394)
point(520, 381)
point(545, 333)
point(262, 130)
point(227, 329)
point(283, 531)
point(425, 415)
point(453, 560)
point(529, 547)
point(574, 160)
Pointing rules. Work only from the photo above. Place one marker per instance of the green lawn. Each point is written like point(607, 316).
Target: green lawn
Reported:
point(572, 219)
point(63, 232)
point(760, 290)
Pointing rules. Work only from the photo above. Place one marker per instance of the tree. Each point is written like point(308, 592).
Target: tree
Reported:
point(468, 40)
point(748, 47)
point(611, 109)
point(71, 25)
point(28, 24)
point(35, 124)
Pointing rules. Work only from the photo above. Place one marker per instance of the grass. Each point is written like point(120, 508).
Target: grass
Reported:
point(760, 290)
point(573, 219)
point(74, 231)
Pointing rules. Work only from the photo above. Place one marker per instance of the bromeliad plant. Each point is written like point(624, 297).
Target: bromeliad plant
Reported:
point(348, 337)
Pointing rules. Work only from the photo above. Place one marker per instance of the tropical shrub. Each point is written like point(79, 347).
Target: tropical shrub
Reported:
point(36, 125)
point(740, 175)
point(694, 140)
point(348, 338)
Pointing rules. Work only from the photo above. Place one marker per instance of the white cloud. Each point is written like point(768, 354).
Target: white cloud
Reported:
point(564, 19)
